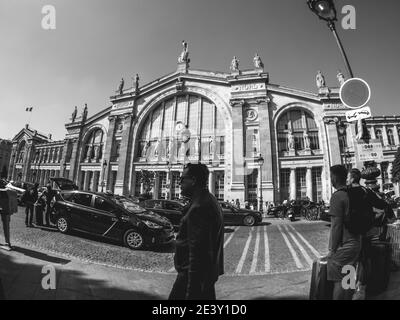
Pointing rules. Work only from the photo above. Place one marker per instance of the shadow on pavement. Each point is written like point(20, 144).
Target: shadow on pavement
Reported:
point(22, 281)
point(41, 256)
point(228, 230)
point(264, 224)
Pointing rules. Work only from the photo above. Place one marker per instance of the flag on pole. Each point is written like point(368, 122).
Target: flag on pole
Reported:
point(29, 109)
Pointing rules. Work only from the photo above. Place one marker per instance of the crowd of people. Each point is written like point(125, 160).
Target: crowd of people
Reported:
point(35, 205)
point(358, 216)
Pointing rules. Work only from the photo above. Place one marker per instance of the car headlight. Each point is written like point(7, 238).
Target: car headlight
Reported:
point(151, 224)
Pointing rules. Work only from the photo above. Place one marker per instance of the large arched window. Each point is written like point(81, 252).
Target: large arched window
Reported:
point(390, 137)
point(203, 119)
point(93, 148)
point(21, 152)
point(303, 128)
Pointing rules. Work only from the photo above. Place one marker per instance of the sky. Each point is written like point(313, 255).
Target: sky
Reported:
point(96, 42)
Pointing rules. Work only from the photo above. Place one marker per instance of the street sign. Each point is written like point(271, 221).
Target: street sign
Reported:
point(355, 93)
point(371, 151)
point(355, 115)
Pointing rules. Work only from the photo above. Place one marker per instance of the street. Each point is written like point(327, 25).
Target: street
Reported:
point(276, 246)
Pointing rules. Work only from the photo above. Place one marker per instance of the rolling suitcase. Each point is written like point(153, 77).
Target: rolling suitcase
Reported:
point(320, 287)
point(39, 214)
point(393, 234)
point(378, 278)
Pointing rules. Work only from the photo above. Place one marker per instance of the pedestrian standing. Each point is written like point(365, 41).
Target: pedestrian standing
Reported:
point(29, 198)
point(48, 196)
point(8, 206)
point(198, 256)
point(344, 246)
point(237, 203)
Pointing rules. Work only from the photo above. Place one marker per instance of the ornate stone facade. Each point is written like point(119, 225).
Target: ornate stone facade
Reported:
point(239, 116)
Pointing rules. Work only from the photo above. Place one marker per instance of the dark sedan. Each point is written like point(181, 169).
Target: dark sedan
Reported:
point(110, 217)
point(232, 215)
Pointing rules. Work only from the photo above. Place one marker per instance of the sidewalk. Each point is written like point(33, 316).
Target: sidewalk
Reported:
point(21, 275)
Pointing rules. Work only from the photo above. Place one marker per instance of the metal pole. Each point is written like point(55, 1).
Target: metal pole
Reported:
point(332, 27)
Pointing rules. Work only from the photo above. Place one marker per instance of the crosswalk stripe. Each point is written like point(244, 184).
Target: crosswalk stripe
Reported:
point(292, 251)
point(244, 254)
point(231, 236)
point(266, 247)
point(255, 253)
point(313, 250)
point(304, 252)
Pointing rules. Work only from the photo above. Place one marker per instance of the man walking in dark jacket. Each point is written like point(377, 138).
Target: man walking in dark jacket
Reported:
point(30, 197)
point(199, 258)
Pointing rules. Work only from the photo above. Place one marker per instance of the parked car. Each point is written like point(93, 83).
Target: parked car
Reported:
point(63, 184)
point(171, 209)
point(234, 215)
point(111, 217)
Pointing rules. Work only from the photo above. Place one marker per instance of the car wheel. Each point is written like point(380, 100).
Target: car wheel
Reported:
point(249, 221)
point(133, 239)
point(62, 224)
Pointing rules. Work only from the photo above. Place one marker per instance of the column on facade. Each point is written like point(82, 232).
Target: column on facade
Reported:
point(62, 159)
point(107, 152)
point(41, 181)
point(309, 185)
point(238, 170)
point(86, 180)
point(156, 188)
point(333, 145)
point(95, 181)
point(74, 163)
point(211, 182)
point(389, 171)
point(292, 180)
point(121, 185)
point(385, 136)
point(396, 135)
point(265, 143)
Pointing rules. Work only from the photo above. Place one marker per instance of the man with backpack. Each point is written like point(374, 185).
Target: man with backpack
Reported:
point(371, 202)
point(345, 235)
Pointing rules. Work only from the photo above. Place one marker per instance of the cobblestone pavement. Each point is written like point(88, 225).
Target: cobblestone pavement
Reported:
point(275, 247)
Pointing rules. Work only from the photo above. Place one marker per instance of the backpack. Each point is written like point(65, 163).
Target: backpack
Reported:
point(360, 216)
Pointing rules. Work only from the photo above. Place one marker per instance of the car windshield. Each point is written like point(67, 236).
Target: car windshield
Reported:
point(129, 205)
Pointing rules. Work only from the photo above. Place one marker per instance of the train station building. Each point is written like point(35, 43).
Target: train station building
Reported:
point(257, 138)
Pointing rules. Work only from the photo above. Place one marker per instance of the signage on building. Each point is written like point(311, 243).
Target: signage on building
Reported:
point(248, 87)
point(355, 93)
point(355, 115)
point(371, 151)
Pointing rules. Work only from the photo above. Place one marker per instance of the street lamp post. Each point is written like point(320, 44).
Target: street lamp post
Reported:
point(169, 166)
point(325, 10)
point(104, 170)
point(260, 161)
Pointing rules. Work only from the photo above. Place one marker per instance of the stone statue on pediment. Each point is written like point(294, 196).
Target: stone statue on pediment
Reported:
point(84, 112)
point(340, 78)
point(258, 64)
point(184, 56)
point(121, 86)
point(320, 80)
point(235, 64)
point(73, 117)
